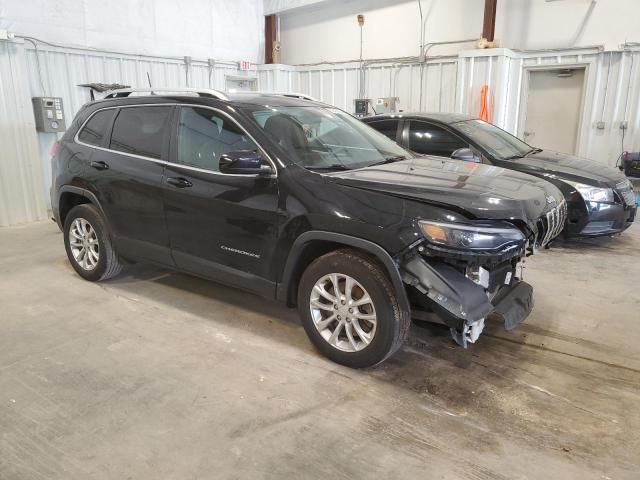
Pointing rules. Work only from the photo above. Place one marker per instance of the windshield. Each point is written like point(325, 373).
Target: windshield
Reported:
point(496, 141)
point(325, 138)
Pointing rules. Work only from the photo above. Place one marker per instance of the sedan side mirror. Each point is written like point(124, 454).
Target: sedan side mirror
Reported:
point(465, 154)
point(244, 162)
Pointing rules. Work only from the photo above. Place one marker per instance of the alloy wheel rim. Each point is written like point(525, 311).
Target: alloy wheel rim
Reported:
point(84, 244)
point(343, 312)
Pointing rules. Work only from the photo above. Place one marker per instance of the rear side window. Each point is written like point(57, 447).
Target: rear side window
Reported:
point(140, 130)
point(95, 129)
point(430, 139)
point(388, 128)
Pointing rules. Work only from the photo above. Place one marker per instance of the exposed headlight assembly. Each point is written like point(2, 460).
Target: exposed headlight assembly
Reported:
point(593, 194)
point(471, 237)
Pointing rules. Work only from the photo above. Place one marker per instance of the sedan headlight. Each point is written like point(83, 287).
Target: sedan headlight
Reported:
point(593, 194)
point(471, 237)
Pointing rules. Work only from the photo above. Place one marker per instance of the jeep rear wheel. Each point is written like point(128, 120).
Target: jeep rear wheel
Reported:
point(88, 244)
point(349, 309)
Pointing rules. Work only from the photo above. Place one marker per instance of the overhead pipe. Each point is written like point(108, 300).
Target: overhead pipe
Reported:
point(424, 56)
point(117, 52)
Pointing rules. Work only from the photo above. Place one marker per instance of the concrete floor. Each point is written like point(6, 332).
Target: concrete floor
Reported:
point(157, 375)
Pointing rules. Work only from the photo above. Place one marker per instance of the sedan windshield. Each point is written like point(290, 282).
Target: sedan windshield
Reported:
point(323, 138)
point(494, 140)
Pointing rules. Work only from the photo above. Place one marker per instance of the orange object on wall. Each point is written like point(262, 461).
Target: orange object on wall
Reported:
point(484, 113)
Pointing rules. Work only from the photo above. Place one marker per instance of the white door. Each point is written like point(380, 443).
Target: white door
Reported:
point(554, 108)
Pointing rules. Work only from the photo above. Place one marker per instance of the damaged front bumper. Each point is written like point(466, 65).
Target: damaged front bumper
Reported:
point(464, 304)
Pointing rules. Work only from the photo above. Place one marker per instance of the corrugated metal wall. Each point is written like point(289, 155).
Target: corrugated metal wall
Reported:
point(57, 72)
point(338, 84)
point(25, 170)
point(22, 190)
point(611, 95)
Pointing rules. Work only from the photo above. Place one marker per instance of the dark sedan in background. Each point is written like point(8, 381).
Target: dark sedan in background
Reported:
point(600, 198)
point(631, 164)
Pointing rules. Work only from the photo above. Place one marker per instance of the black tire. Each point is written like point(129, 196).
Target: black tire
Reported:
point(108, 264)
point(393, 322)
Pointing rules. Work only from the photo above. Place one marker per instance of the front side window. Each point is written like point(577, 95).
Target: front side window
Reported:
point(95, 129)
point(325, 138)
point(430, 139)
point(204, 135)
point(140, 131)
point(497, 142)
point(389, 128)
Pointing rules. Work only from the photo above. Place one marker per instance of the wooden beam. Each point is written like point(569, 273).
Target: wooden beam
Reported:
point(269, 37)
point(489, 25)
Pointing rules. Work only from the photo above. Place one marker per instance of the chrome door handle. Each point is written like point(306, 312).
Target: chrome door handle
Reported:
point(179, 182)
point(99, 165)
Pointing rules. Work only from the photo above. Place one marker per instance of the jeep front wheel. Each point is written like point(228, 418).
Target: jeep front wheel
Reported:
point(349, 309)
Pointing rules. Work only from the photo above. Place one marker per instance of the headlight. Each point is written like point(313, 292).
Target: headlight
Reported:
point(470, 237)
point(592, 194)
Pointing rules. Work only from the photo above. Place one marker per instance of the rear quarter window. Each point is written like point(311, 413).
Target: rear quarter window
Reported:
point(95, 130)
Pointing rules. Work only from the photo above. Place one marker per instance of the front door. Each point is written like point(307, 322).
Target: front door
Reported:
point(220, 226)
point(429, 139)
point(554, 109)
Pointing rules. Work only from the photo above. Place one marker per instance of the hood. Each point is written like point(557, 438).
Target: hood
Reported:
point(483, 191)
point(568, 167)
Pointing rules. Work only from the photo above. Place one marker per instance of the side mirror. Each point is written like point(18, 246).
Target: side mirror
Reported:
point(465, 154)
point(244, 162)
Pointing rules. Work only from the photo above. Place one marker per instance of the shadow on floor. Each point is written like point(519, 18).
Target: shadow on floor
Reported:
point(428, 352)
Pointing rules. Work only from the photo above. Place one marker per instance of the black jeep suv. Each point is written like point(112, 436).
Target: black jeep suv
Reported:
point(299, 201)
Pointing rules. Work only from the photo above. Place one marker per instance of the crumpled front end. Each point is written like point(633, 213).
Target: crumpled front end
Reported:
point(465, 287)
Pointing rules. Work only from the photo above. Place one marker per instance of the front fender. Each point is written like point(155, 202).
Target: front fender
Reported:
point(299, 245)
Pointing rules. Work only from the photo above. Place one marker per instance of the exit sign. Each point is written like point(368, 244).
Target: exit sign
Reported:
point(244, 65)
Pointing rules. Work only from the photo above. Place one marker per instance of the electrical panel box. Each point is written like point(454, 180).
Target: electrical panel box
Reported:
point(386, 104)
point(49, 114)
point(361, 107)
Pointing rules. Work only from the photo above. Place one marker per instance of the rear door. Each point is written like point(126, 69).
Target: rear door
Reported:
point(430, 139)
point(220, 226)
point(126, 172)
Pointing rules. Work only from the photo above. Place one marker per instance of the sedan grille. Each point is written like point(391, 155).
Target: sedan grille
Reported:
point(625, 190)
point(550, 226)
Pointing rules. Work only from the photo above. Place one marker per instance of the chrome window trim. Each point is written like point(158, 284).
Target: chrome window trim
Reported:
point(166, 162)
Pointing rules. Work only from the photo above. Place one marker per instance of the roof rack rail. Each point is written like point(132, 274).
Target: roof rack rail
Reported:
point(302, 96)
point(203, 92)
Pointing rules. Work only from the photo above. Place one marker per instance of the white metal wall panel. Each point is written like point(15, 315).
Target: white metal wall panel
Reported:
point(22, 190)
point(337, 84)
point(59, 71)
point(612, 95)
